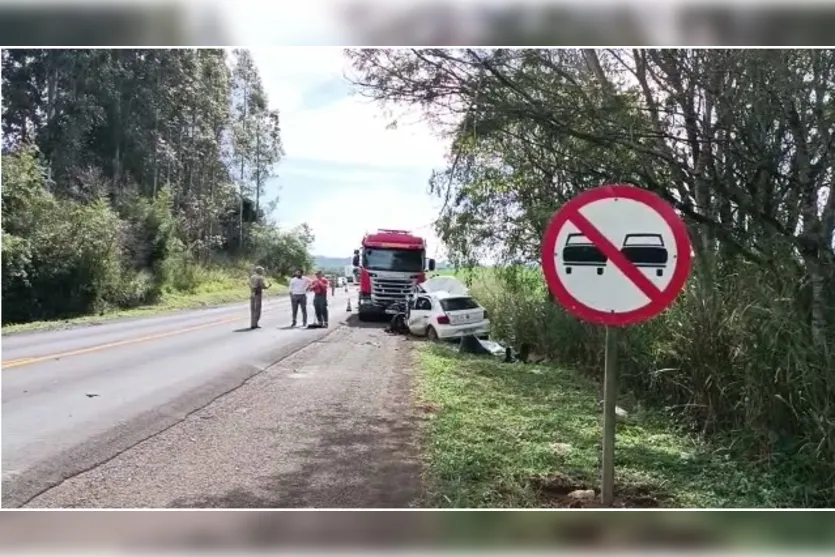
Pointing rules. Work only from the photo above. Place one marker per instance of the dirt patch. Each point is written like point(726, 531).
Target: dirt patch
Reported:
point(560, 491)
point(427, 408)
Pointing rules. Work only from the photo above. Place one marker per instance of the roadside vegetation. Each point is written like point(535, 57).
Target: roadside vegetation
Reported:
point(134, 182)
point(514, 435)
point(740, 142)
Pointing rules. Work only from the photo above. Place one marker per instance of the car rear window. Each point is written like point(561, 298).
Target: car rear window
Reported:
point(456, 304)
point(577, 240)
point(644, 240)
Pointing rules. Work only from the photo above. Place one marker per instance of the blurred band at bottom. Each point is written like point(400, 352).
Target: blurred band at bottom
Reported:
point(355, 530)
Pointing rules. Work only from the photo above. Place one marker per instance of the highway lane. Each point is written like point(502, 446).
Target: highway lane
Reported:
point(74, 398)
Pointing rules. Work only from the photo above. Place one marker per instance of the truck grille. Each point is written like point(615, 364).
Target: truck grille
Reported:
point(386, 290)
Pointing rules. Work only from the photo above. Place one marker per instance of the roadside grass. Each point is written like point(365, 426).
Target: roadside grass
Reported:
point(480, 280)
point(213, 287)
point(515, 436)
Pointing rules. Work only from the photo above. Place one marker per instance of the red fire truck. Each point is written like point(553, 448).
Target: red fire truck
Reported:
point(389, 265)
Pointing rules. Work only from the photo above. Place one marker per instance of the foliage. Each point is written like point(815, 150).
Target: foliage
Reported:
point(738, 141)
point(59, 257)
point(119, 182)
point(281, 251)
point(513, 435)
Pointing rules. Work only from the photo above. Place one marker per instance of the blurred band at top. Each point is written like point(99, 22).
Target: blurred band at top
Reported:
point(652, 23)
point(80, 24)
point(440, 23)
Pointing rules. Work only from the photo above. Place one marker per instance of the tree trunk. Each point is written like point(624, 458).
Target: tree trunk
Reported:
point(241, 210)
point(155, 159)
point(243, 159)
point(257, 173)
point(817, 285)
point(191, 157)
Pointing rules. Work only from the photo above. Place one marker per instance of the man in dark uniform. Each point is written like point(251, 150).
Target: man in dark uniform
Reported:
point(257, 285)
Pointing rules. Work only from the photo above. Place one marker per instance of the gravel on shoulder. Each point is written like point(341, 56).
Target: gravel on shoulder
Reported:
point(331, 426)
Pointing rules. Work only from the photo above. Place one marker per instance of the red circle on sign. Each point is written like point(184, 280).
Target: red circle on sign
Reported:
point(664, 298)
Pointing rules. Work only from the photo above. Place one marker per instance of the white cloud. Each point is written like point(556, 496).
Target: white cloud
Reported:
point(350, 130)
point(339, 221)
point(353, 133)
point(354, 177)
point(288, 72)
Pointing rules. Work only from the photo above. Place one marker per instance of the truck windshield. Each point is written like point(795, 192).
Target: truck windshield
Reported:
point(407, 261)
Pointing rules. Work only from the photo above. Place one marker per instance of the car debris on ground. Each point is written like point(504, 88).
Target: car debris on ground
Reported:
point(468, 344)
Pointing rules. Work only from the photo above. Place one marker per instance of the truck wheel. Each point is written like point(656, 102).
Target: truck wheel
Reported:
point(431, 333)
point(362, 316)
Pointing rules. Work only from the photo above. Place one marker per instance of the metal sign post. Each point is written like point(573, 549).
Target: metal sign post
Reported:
point(616, 255)
point(610, 399)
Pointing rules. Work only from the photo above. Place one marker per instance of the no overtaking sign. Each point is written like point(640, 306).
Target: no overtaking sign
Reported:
point(616, 255)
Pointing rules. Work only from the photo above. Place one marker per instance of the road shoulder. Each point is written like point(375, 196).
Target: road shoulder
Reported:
point(330, 426)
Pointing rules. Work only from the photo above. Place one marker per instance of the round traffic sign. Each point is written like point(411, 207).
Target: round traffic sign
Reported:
point(616, 255)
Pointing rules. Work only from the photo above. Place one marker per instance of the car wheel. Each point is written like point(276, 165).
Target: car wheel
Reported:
point(431, 333)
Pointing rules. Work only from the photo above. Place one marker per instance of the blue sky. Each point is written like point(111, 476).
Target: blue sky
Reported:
point(345, 173)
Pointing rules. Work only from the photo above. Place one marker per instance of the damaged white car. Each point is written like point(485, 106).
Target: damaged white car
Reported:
point(442, 308)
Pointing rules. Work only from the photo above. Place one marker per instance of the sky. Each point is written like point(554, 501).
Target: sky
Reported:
point(344, 172)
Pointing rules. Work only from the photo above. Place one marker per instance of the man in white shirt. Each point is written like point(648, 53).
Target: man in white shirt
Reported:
point(299, 286)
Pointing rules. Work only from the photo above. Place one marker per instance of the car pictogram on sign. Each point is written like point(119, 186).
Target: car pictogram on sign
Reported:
point(646, 251)
point(579, 251)
point(635, 241)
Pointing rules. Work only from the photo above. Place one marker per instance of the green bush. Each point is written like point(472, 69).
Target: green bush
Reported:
point(150, 232)
point(280, 252)
point(60, 258)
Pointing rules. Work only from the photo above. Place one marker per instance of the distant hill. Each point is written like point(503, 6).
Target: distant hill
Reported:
point(324, 262)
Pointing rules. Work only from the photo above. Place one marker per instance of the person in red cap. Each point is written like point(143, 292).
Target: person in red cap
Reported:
point(320, 298)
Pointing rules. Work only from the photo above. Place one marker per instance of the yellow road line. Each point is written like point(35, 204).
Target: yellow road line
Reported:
point(16, 361)
point(25, 361)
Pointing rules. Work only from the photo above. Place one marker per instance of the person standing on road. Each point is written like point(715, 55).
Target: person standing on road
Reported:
point(298, 296)
point(257, 285)
point(320, 299)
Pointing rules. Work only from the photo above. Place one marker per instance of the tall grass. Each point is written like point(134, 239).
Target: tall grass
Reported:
point(733, 359)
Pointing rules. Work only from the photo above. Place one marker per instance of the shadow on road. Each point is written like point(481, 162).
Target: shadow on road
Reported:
point(353, 320)
point(244, 330)
point(356, 463)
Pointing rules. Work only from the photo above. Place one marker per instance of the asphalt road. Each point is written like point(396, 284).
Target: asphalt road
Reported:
point(330, 426)
point(74, 398)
